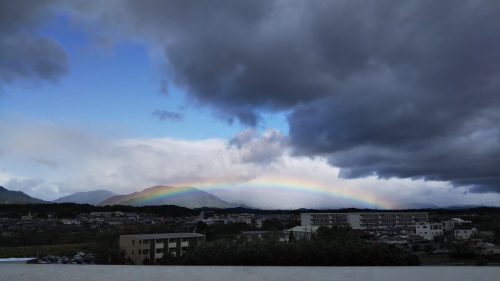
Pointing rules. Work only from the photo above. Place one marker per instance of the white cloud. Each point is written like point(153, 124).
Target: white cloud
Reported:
point(47, 162)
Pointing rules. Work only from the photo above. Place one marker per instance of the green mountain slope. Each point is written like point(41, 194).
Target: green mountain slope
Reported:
point(16, 197)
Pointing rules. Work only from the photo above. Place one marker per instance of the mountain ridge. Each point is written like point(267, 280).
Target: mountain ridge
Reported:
point(88, 197)
point(17, 197)
point(184, 196)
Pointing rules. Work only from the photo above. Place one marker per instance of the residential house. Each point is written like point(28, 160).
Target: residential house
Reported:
point(300, 232)
point(464, 232)
point(453, 222)
point(429, 230)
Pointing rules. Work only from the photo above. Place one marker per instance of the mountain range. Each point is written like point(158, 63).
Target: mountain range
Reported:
point(89, 197)
point(188, 197)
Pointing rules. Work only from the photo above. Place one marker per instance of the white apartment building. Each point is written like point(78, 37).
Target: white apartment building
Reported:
point(429, 230)
point(370, 221)
point(138, 247)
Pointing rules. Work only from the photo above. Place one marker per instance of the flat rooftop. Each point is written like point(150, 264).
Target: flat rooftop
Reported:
point(165, 235)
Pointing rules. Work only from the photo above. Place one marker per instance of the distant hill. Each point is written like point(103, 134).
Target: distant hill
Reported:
point(416, 206)
point(16, 197)
point(464, 207)
point(89, 197)
point(188, 197)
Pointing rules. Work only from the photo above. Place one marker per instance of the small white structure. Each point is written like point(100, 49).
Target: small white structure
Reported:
point(258, 223)
point(429, 230)
point(27, 218)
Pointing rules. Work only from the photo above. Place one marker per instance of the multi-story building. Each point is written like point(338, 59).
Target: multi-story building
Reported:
point(205, 215)
point(140, 247)
point(429, 230)
point(370, 221)
point(246, 218)
point(324, 219)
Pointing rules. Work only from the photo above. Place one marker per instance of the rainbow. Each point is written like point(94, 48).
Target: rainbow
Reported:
point(277, 184)
point(158, 193)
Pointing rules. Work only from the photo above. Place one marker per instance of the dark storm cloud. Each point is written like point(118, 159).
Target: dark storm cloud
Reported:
point(163, 115)
point(392, 88)
point(25, 55)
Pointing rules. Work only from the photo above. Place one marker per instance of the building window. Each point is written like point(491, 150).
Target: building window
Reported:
point(139, 252)
point(184, 239)
point(145, 242)
point(133, 242)
point(132, 252)
point(140, 242)
point(145, 252)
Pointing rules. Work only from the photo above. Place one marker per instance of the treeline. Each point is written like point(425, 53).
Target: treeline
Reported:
point(68, 234)
point(71, 210)
point(329, 247)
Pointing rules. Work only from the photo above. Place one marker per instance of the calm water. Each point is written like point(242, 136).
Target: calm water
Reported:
point(21, 272)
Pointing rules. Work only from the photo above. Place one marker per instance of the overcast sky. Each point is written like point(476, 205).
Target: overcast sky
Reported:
point(280, 104)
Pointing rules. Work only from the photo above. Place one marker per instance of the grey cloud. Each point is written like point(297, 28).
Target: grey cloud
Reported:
point(46, 162)
point(391, 88)
point(163, 115)
point(27, 184)
point(26, 56)
point(164, 87)
point(460, 155)
point(255, 148)
point(242, 137)
point(32, 59)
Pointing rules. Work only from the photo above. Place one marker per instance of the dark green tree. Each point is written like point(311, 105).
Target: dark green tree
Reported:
point(291, 237)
